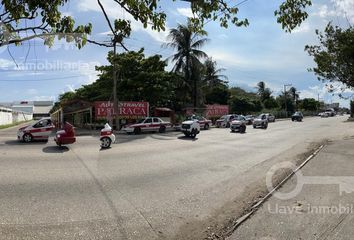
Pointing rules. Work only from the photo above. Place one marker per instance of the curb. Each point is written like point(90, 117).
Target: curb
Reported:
point(255, 207)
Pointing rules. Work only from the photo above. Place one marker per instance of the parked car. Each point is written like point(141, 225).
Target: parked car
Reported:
point(39, 130)
point(191, 127)
point(270, 117)
point(225, 121)
point(249, 119)
point(324, 114)
point(331, 112)
point(203, 122)
point(297, 116)
point(148, 124)
point(238, 124)
point(261, 121)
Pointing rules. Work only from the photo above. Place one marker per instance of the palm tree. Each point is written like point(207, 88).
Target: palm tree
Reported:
point(263, 92)
point(187, 42)
point(294, 94)
point(260, 88)
point(212, 77)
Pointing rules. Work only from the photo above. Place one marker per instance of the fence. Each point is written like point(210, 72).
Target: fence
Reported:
point(8, 116)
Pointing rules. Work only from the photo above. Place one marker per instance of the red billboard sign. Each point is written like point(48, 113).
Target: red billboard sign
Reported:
point(216, 110)
point(105, 109)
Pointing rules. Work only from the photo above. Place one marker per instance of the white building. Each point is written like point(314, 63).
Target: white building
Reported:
point(38, 109)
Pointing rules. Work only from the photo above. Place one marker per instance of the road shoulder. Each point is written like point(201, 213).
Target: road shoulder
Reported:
point(319, 211)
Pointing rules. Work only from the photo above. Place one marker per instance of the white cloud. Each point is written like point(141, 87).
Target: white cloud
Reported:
point(43, 98)
point(227, 58)
point(275, 62)
point(345, 8)
point(339, 8)
point(321, 92)
point(114, 11)
point(187, 12)
point(89, 72)
point(304, 28)
point(324, 12)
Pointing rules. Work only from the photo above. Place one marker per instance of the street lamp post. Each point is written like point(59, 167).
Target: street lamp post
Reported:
point(286, 105)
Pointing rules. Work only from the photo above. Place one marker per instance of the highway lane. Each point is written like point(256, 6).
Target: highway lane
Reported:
point(148, 186)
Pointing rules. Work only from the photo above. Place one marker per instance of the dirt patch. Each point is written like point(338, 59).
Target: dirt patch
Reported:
point(221, 222)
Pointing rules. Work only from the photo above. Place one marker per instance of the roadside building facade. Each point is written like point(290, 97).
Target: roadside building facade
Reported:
point(38, 109)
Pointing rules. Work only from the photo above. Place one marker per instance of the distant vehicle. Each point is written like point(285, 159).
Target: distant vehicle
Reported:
point(331, 112)
point(270, 117)
point(203, 122)
point(191, 127)
point(261, 121)
point(40, 130)
point(66, 135)
point(239, 124)
point(148, 124)
point(225, 121)
point(297, 116)
point(249, 119)
point(324, 114)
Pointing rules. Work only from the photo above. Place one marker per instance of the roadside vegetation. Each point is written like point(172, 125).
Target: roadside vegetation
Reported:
point(194, 81)
point(12, 124)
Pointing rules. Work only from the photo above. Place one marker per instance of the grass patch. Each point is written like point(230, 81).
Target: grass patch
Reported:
point(13, 124)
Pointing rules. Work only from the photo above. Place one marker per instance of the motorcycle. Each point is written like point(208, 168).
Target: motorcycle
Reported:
point(107, 136)
point(66, 135)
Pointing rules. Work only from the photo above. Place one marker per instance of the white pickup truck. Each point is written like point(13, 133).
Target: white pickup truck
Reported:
point(190, 127)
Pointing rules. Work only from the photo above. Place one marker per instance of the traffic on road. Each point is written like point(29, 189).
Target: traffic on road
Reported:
point(191, 127)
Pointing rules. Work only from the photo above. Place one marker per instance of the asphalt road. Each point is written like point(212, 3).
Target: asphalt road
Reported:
point(150, 186)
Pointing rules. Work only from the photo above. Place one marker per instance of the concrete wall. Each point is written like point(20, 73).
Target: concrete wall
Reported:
point(5, 116)
point(8, 116)
point(21, 116)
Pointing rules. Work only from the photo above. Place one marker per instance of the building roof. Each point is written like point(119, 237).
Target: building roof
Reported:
point(42, 109)
point(43, 103)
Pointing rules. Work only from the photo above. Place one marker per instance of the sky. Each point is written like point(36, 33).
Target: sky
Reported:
point(260, 52)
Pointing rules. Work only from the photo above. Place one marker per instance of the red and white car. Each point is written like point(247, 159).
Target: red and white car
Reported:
point(39, 130)
point(203, 122)
point(148, 124)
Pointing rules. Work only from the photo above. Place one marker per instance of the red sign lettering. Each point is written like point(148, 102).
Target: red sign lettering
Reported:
point(125, 109)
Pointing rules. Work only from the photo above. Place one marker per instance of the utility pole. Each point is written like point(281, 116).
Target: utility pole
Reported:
point(286, 105)
point(115, 98)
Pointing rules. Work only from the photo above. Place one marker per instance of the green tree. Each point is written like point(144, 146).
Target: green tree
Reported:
point(45, 19)
point(217, 95)
point(187, 42)
point(263, 92)
point(290, 106)
point(244, 105)
point(309, 104)
point(141, 79)
point(334, 56)
point(214, 84)
point(293, 94)
point(28, 19)
point(211, 75)
point(270, 103)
